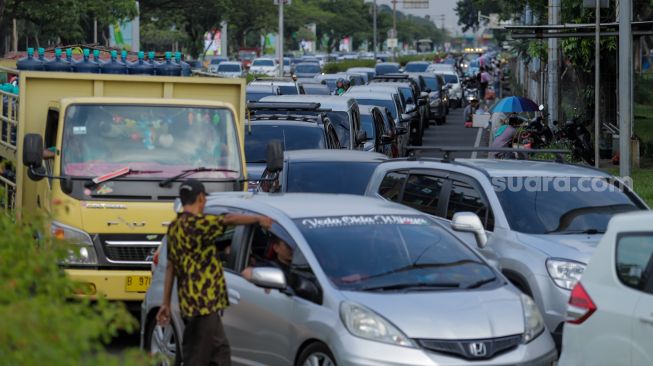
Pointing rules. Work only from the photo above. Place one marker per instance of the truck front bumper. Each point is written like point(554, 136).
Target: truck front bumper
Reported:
point(110, 284)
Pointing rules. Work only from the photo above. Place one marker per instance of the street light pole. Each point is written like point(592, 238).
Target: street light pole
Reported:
point(280, 36)
point(374, 26)
point(625, 91)
point(394, 29)
point(597, 83)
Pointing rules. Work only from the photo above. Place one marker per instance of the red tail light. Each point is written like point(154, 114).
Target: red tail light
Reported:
point(580, 305)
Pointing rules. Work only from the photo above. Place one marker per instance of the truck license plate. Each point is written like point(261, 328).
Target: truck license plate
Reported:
point(137, 283)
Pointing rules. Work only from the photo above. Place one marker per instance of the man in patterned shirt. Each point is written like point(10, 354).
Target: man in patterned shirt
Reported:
point(193, 259)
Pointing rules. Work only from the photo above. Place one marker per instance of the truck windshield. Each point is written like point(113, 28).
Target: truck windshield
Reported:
point(160, 141)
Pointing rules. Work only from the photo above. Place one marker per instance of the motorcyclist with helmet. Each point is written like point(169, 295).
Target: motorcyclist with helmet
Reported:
point(341, 86)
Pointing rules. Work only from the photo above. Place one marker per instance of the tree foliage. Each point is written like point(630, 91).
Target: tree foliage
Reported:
point(42, 321)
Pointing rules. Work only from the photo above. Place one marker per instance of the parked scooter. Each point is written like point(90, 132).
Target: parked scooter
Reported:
point(579, 138)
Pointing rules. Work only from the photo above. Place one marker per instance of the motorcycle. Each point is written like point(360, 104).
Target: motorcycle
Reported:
point(579, 138)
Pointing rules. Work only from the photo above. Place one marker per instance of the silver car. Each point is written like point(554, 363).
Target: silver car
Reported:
point(370, 283)
point(543, 219)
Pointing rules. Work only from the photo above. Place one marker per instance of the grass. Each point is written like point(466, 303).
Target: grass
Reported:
point(642, 183)
point(644, 124)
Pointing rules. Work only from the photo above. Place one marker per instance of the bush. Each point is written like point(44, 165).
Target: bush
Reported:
point(342, 66)
point(42, 321)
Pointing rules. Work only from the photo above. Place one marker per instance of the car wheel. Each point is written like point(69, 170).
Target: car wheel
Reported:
point(317, 354)
point(163, 343)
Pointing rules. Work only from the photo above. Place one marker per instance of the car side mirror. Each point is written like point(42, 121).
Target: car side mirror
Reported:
point(274, 156)
point(361, 137)
point(385, 139)
point(469, 222)
point(269, 277)
point(405, 117)
point(402, 130)
point(410, 108)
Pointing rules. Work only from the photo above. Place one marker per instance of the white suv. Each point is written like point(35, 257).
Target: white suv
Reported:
point(264, 66)
point(610, 312)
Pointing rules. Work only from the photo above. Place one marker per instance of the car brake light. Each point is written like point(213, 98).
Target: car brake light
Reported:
point(580, 305)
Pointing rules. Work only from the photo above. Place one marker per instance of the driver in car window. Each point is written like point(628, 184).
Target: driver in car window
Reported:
point(283, 254)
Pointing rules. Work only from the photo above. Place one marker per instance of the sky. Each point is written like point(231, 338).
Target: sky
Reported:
point(436, 7)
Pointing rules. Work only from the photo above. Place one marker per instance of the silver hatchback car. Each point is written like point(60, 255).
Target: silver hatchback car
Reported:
point(370, 283)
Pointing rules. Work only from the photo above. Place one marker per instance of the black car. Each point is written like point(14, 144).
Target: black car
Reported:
point(254, 93)
point(380, 136)
point(322, 171)
point(293, 131)
point(435, 86)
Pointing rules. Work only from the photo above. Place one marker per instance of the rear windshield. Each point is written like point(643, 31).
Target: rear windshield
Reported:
point(263, 63)
point(256, 96)
point(416, 67)
point(308, 69)
point(388, 104)
point(288, 89)
point(432, 83)
point(229, 68)
point(291, 137)
point(327, 177)
point(386, 69)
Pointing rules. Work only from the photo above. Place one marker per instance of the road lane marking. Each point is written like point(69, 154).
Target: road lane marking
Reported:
point(478, 141)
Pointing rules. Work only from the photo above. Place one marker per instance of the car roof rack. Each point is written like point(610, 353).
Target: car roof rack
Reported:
point(286, 106)
point(392, 77)
point(273, 78)
point(450, 150)
point(287, 117)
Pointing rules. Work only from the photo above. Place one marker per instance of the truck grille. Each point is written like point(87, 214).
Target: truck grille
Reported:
point(130, 249)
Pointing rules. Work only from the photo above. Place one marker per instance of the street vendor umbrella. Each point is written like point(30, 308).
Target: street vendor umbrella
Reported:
point(515, 105)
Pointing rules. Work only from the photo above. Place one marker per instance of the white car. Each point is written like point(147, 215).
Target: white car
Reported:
point(230, 69)
point(610, 312)
point(440, 68)
point(264, 66)
point(456, 91)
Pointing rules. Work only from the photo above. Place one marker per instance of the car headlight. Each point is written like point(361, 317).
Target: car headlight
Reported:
point(533, 321)
point(81, 251)
point(364, 323)
point(565, 273)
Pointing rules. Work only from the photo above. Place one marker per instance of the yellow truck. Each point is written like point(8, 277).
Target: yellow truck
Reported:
point(102, 157)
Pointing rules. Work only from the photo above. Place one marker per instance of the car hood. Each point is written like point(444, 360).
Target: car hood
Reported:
point(476, 314)
point(575, 247)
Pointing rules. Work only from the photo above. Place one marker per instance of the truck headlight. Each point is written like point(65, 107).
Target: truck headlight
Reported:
point(565, 273)
point(533, 321)
point(81, 250)
point(364, 323)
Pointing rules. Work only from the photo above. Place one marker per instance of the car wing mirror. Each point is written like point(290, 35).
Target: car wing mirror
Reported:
point(269, 277)
point(361, 137)
point(402, 130)
point(274, 156)
point(469, 222)
point(405, 117)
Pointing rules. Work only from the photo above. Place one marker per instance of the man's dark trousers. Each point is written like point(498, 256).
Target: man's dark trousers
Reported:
point(205, 342)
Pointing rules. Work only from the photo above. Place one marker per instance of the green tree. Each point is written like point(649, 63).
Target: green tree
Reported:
point(250, 16)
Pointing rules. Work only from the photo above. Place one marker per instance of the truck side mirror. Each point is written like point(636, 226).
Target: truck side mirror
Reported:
point(274, 156)
point(33, 156)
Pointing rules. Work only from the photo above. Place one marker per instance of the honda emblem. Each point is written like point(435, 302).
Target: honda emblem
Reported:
point(478, 349)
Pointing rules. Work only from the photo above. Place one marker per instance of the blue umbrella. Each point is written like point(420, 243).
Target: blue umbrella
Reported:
point(515, 105)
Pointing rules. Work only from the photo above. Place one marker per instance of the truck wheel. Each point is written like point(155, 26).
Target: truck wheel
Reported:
point(163, 343)
point(317, 354)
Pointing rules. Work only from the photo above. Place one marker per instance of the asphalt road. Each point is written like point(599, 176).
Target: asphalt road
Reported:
point(452, 133)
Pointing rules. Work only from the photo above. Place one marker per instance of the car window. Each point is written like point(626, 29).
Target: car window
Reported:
point(329, 177)
point(635, 260)
point(465, 198)
point(288, 89)
point(422, 192)
point(228, 68)
point(303, 280)
point(291, 137)
point(391, 185)
point(261, 251)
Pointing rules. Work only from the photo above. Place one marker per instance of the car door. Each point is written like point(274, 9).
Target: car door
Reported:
point(634, 262)
point(259, 323)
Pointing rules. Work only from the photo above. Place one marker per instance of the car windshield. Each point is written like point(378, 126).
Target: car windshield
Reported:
point(450, 79)
point(247, 55)
point(367, 124)
point(263, 63)
point(417, 67)
point(432, 83)
point(561, 206)
point(288, 89)
point(388, 104)
point(228, 68)
point(308, 69)
point(386, 69)
point(291, 137)
point(392, 252)
point(256, 96)
point(156, 140)
point(327, 177)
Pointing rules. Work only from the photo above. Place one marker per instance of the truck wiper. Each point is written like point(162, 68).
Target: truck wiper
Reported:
point(117, 174)
point(166, 182)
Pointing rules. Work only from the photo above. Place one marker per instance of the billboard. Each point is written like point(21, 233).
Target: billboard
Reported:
point(415, 4)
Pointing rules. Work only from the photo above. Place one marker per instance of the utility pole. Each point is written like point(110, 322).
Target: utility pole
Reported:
point(442, 18)
point(224, 39)
point(625, 86)
point(374, 10)
point(552, 65)
point(394, 28)
point(597, 82)
point(95, 31)
point(280, 48)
